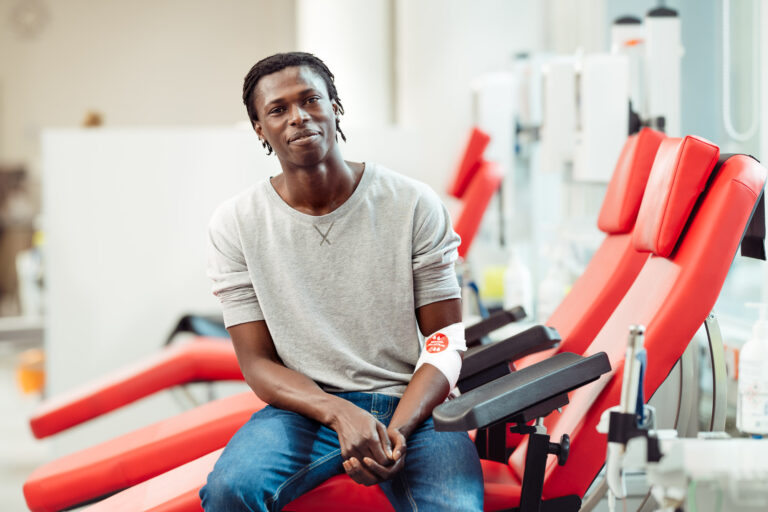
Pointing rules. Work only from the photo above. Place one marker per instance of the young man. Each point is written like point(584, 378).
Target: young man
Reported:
point(325, 272)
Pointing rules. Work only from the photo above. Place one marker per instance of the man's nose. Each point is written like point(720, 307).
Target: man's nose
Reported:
point(297, 115)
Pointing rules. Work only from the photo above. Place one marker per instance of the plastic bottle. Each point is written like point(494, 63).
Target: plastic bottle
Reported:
point(518, 290)
point(752, 404)
point(551, 292)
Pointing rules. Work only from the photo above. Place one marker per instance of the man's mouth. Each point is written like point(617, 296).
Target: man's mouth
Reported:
point(302, 136)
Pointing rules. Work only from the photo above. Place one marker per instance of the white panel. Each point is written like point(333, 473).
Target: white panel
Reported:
point(664, 51)
point(603, 115)
point(125, 216)
point(558, 127)
point(629, 40)
point(494, 95)
point(354, 39)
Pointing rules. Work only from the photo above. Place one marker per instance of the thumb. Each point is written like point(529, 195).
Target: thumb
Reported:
point(399, 449)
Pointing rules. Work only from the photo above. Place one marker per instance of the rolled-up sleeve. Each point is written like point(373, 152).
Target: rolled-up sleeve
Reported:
point(435, 247)
point(228, 270)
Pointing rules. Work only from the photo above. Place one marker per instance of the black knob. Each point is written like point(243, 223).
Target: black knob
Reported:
point(561, 449)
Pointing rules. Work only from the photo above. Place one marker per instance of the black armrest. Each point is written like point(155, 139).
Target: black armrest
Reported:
point(489, 362)
point(201, 325)
point(474, 333)
point(510, 397)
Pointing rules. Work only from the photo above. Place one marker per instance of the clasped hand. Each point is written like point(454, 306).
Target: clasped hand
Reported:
point(371, 452)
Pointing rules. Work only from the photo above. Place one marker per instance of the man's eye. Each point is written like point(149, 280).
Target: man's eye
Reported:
point(277, 110)
point(313, 99)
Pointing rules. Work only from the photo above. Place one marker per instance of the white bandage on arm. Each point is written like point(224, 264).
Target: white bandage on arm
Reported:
point(441, 350)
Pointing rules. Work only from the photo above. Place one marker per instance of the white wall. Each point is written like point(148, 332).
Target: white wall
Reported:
point(143, 62)
point(355, 40)
point(442, 45)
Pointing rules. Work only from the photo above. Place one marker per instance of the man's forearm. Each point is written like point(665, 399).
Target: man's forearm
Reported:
point(290, 390)
point(427, 389)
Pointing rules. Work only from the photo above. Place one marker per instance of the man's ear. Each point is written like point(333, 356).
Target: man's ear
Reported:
point(257, 128)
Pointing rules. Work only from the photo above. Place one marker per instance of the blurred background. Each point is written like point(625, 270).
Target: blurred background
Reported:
point(122, 128)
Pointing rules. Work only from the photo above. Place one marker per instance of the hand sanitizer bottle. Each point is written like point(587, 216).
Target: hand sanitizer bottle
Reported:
point(752, 405)
point(517, 285)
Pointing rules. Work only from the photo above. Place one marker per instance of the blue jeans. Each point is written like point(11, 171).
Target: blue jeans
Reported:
point(279, 455)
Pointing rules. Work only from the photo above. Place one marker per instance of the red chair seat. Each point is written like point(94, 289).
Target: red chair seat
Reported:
point(177, 491)
point(119, 463)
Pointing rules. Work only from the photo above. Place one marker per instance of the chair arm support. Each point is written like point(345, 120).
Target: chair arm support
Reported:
point(474, 333)
point(511, 396)
point(488, 362)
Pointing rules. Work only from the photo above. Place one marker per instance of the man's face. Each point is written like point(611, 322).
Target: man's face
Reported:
point(296, 115)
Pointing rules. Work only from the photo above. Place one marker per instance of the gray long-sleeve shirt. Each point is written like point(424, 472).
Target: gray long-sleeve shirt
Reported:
point(338, 291)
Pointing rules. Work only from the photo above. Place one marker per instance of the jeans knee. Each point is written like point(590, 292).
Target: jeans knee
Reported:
point(226, 490)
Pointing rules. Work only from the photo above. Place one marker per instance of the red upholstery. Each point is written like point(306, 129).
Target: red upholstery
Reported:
point(625, 190)
point(616, 262)
point(81, 476)
point(175, 490)
point(671, 297)
point(485, 183)
point(470, 162)
point(201, 359)
point(578, 319)
point(671, 196)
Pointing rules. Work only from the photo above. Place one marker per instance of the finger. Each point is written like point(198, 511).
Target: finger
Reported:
point(400, 446)
point(381, 472)
point(359, 474)
point(398, 465)
point(384, 472)
point(374, 448)
point(386, 444)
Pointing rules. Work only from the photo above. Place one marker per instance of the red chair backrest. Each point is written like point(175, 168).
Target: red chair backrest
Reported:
point(616, 263)
point(671, 296)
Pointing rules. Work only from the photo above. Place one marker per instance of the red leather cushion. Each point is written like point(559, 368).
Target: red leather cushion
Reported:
point(108, 467)
point(201, 359)
point(174, 491)
point(625, 191)
point(671, 297)
point(479, 193)
point(679, 175)
point(471, 160)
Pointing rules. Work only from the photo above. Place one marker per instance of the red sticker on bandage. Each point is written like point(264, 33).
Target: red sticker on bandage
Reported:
point(436, 343)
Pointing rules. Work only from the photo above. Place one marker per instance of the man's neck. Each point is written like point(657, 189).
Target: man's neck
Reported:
point(320, 189)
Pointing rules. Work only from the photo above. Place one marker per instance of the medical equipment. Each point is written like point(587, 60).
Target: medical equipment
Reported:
point(711, 472)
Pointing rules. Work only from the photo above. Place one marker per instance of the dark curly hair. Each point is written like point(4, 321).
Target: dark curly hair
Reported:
point(278, 62)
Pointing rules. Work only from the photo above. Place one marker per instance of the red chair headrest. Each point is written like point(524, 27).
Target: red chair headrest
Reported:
point(678, 177)
point(471, 160)
point(625, 191)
